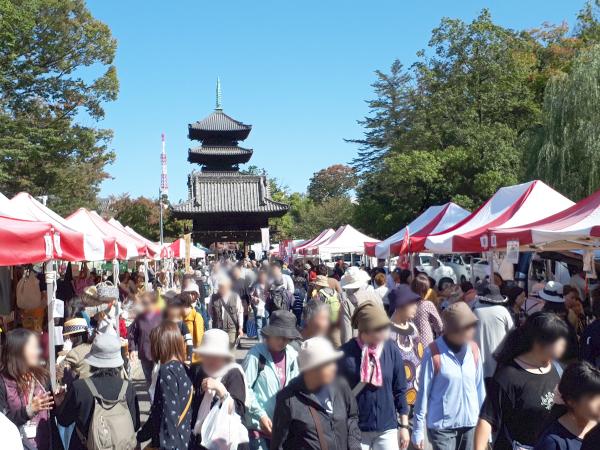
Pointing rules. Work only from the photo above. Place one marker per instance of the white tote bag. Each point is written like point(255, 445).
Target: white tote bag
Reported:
point(223, 429)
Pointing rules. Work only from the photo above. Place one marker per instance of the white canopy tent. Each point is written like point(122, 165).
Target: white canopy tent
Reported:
point(346, 239)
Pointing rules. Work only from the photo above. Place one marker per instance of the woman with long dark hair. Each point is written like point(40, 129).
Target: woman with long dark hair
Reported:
point(169, 423)
point(579, 409)
point(520, 395)
point(25, 389)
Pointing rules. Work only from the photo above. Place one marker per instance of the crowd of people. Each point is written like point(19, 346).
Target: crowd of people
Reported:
point(344, 358)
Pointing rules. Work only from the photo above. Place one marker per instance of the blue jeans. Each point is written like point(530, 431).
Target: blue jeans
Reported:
point(261, 321)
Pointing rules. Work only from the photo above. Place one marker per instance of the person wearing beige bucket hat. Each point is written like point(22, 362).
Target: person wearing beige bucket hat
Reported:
point(316, 410)
point(216, 376)
point(451, 375)
point(373, 367)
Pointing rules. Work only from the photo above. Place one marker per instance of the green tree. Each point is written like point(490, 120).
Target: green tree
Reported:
point(143, 215)
point(334, 181)
point(564, 150)
point(55, 67)
point(389, 119)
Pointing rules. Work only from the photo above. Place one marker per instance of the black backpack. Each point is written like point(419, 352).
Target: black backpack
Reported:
point(279, 298)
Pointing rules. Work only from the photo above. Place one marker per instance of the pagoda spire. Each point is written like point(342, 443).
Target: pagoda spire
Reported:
point(218, 106)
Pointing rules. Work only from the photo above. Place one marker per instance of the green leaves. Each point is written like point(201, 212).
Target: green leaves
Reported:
point(55, 64)
point(474, 118)
point(565, 150)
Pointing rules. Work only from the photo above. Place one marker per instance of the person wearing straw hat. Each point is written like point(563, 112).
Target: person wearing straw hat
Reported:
point(75, 349)
point(374, 368)
point(451, 385)
point(77, 407)
point(215, 378)
point(269, 367)
point(316, 410)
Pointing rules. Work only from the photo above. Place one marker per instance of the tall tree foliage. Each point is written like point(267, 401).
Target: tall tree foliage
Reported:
point(470, 100)
point(565, 150)
point(55, 66)
point(333, 181)
point(474, 97)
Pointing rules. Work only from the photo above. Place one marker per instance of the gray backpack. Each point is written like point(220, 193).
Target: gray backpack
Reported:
point(111, 427)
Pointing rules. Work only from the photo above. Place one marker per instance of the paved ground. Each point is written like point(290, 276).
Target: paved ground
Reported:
point(140, 384)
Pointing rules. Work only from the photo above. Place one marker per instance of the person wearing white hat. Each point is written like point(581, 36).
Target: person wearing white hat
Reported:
point(216, 377)
point(317, 409)
point(357, 290)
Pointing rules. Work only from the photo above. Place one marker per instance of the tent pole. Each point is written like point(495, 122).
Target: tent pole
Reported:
point(50, 274)
point(491, 265)
point(116, 283)
point(146, 273)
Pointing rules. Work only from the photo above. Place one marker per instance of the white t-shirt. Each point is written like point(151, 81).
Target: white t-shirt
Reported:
point(11, 438)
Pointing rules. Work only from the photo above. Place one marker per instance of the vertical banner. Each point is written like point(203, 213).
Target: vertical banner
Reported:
point(265, 239)
point(187, 238)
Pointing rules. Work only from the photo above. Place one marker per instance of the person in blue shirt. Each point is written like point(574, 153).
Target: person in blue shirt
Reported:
point(579, 409)
point(373, 366)
point(451, 387)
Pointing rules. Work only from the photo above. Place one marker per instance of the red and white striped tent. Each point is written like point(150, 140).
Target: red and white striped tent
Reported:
point(346, 239)
point(433, 220)
point(24, 241)
point(509, 207)
point(302, 249)
point(127, 247)
point(176, 250)
point(572, 228)
point(69, 243)
point(152, 247)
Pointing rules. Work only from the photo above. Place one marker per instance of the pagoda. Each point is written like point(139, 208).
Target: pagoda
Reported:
point(225, 204)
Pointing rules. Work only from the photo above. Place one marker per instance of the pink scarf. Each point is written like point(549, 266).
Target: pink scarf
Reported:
point(370, 365)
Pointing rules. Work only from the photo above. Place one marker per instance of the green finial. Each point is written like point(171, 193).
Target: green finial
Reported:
point(219, 94)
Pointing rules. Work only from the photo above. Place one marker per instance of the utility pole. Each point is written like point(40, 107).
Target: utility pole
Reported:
point(164, 186)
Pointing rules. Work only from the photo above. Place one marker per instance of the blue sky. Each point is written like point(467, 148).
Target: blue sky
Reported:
point(298, 71)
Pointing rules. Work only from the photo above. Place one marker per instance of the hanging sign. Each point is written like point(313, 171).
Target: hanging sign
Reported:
point(483, 240)
point(589, 267)
point(512, 252)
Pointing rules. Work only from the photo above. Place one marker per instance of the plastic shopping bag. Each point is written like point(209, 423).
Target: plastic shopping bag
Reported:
point(223, 429)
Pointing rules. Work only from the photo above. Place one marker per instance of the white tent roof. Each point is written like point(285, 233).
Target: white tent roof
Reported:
point(433, 220)
point(92, 222)
point(320, 238)
point(346, 239)
point(509, 207)
point(153, 247)
point(78, 245)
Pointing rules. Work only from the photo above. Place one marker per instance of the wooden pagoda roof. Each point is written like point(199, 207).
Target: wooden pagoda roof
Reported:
point(215, 154)
point(219, 124)
point(229, 192)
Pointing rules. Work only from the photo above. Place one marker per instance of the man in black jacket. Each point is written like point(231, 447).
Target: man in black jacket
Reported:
point(317, 409)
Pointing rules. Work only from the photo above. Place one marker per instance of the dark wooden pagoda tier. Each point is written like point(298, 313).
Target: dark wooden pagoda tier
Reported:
point(224, 203)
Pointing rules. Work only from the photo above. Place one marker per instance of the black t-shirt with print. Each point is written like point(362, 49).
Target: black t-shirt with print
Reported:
point(518, 404)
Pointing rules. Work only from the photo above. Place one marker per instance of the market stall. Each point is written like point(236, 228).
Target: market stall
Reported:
point(433, 220)
point(509, 207)
point(346, 239)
